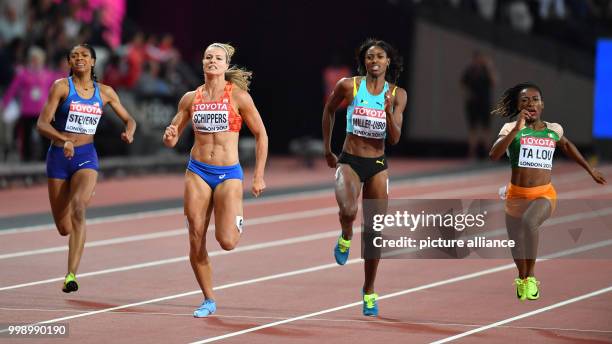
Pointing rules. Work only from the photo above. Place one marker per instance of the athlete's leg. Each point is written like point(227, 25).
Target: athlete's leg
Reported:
point(347, 188)
point(59, 197)
point(198, 208)
point(538, 211)
point(375, 189)
point(517, 234)
point(228, 213)
point(82, 185)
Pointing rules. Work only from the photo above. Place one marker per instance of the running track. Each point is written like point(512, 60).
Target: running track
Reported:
point(281, 284)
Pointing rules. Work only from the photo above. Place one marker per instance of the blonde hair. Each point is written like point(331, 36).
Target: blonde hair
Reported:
point(236, 75)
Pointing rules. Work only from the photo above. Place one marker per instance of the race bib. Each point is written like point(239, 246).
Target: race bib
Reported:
point(211, 117)
point(83, 118)
point(536, 152)
point(369, 123)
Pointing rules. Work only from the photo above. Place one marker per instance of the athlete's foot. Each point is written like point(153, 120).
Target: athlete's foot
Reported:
point(521, 288)
point(207, 308)
point(341, 250)
point(531, 289)
point(70, 283)
point(370, 304)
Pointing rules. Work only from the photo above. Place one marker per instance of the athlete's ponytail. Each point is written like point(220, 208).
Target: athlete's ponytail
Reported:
point(236, 75)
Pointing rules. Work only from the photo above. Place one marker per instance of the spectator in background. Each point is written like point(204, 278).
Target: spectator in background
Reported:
point(11, 26)
point(477, 81)
point(136, 54)
point(31, 86)
point(519, 16)
point(150, 82)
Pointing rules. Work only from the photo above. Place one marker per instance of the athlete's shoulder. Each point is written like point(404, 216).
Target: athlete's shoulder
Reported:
point(507, 128)
point(556, 127)
point(60, 86)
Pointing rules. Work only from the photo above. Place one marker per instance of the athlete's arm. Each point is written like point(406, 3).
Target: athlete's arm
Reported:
point(59, 91)
point(570, 150)
point(180, 120)
point(341, 91)
point(395, 117)
point(110, 97)
point(253, 120)
point(503, 141)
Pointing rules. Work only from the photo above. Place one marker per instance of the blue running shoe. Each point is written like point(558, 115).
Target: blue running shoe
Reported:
point(370, 304)
point(207, 308)
point(341, 251)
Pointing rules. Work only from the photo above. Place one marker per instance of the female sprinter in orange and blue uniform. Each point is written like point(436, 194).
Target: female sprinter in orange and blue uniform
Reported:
point(69, 119)
point(213, 180)
point(530, 143)
point(375, 111)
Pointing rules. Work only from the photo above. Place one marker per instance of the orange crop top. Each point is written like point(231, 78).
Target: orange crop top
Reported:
point(215, 116)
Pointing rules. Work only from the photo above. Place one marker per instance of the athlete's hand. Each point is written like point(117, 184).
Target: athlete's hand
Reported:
point(598, 177)
point(389, 102)
point(522, 118)
point(68, 149)
point(258, 186)
point(127, 137)
point(332, 159)
point(170, 136)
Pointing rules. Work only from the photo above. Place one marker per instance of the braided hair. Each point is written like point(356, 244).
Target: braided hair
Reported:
point(507, 105)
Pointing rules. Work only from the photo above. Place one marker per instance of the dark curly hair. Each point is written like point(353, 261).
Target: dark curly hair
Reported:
point(507, 105)
point(92, 52)
point(397, 62)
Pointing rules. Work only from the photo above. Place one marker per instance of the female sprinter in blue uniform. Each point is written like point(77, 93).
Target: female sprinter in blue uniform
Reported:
point(213, 180)
point(69, 119)
point(374, 113)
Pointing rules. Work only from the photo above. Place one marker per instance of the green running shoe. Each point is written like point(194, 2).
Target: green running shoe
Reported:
point(521, 289)
point(532, 290)
point(70, 283)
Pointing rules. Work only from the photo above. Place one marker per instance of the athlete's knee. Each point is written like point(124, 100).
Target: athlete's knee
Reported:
point(64, 229)
point(198, 254)
point(228, 243)
point(530, 223)
point(79, 208)
point(348, 212)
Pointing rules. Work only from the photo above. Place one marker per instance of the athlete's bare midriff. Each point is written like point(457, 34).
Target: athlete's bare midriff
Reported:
point(363, 147)
point(530, 177)
point(219, 149)
point(77, 139)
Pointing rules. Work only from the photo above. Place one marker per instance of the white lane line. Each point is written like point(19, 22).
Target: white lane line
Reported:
point(261, 220)
point(246, 248)
point(404, 292)
point(498, 231)
point(253, 317)
point(175, 232)
point(421, 181)
point(308, 270)
point(525, 315)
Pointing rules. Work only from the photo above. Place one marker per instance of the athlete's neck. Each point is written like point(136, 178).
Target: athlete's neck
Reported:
point(375, 83)
point(82, 80)
point(214, 84)
point(536, 125)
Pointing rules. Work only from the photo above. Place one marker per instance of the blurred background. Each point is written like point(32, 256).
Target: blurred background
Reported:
point(459, 57)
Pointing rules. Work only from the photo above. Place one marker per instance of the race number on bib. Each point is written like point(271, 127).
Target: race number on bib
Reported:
point(83, 118)
point(368, 122)
point(536, 152)
point(211, 118)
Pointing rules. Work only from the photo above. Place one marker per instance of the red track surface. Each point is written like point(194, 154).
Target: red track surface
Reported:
point(120, 306)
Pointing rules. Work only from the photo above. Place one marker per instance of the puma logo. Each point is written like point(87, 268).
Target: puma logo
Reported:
point(381, 161)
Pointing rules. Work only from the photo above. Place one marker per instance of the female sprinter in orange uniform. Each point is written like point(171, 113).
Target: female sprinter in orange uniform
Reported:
point(69, 119)
point(213, 180)
point(530, 197)
point(375, 112)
